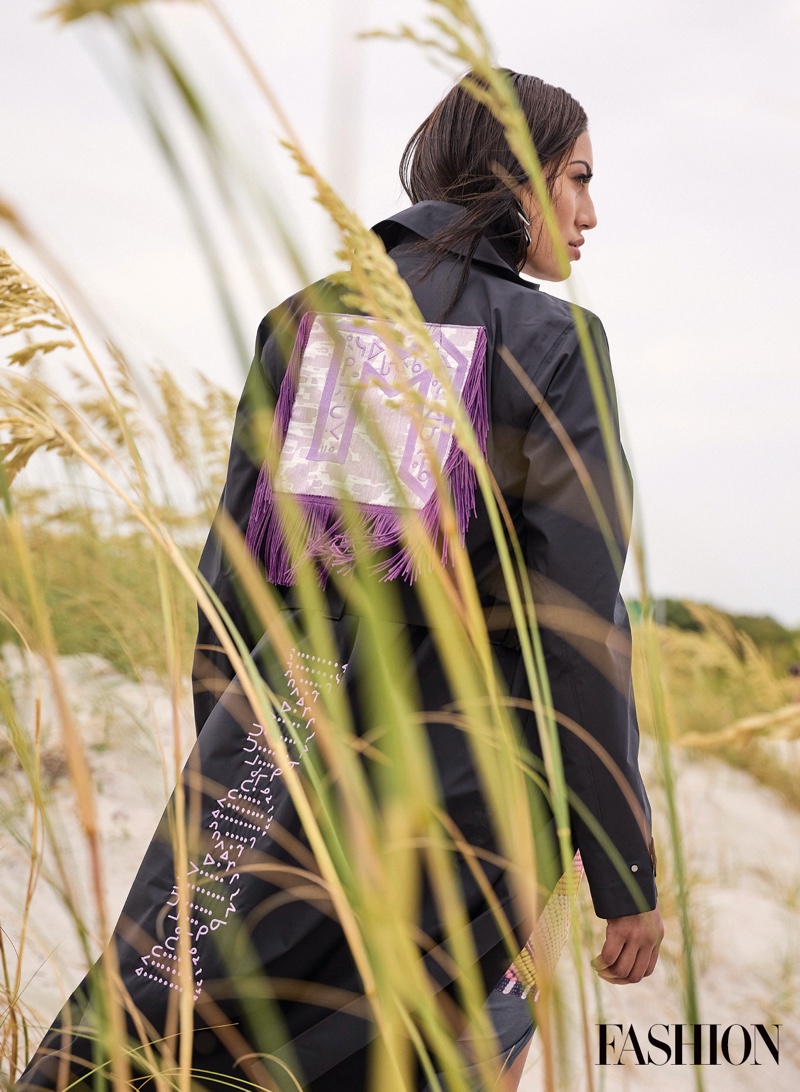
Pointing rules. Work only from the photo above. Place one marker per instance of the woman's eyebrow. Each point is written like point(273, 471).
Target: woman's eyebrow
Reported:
point(583, 161)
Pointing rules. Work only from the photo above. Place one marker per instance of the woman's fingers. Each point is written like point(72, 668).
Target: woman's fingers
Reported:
point(622, 965)
point(632, 966)
point(631, 947)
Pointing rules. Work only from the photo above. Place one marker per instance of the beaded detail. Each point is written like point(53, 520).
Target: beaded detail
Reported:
point(539, 957)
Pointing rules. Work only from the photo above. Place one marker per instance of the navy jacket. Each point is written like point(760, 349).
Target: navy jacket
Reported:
point(586, 641)
point(575, 577)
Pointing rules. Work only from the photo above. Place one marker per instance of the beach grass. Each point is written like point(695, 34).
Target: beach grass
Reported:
point(104, 563)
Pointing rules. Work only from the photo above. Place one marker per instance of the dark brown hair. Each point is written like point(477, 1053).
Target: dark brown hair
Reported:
point(460, 154)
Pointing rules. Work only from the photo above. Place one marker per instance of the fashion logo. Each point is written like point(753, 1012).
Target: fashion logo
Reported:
point(688, 1044)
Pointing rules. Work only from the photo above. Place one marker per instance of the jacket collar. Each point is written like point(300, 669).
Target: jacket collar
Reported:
point(426, 218)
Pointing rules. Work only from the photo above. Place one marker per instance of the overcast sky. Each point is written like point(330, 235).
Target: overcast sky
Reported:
point(694, 113)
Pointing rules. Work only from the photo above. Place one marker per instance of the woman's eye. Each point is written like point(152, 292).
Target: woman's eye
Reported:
point(583, 178)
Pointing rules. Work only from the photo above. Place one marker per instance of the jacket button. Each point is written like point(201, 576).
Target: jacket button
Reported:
point(634, 868)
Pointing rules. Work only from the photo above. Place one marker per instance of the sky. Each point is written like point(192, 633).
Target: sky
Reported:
point(694, 113)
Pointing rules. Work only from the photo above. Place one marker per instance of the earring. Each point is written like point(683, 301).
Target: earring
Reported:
point(526, 222)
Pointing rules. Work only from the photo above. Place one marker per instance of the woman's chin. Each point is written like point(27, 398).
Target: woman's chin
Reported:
point(554, 276)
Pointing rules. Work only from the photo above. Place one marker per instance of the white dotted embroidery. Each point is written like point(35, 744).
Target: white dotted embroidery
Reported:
point(246, 807)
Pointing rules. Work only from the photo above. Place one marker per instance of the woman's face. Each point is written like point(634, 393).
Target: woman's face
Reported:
point(574, 213)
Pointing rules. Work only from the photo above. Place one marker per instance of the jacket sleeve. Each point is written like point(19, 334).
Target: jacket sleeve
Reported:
point(584, 624)
point(211, 669)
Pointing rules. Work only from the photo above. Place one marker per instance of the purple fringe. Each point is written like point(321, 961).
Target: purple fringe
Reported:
point(322, 531)
point(264, 535)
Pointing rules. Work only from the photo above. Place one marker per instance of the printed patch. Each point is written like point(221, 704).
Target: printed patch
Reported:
point(362, 415)
point(348, 419)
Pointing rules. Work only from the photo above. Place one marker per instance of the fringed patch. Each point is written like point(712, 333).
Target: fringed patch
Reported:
point(360, 421)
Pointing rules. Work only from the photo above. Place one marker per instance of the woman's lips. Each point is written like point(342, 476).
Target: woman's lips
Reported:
point(574, 251)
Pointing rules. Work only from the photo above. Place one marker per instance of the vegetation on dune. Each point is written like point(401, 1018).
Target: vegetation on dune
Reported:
point(779, 643)
point(97, 582)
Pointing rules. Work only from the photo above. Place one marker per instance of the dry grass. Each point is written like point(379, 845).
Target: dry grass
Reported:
point(111, 570)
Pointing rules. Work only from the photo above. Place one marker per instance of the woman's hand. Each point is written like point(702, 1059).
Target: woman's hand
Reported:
point(631, 949)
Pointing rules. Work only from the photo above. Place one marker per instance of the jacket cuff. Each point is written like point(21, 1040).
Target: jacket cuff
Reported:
point(612, 897)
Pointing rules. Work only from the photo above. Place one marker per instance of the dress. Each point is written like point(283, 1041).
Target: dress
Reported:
point(569, 563)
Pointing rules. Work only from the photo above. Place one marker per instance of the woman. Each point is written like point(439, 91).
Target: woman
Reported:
point(473, 227)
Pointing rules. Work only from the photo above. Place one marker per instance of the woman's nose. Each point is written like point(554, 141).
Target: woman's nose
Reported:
point(587, 217)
